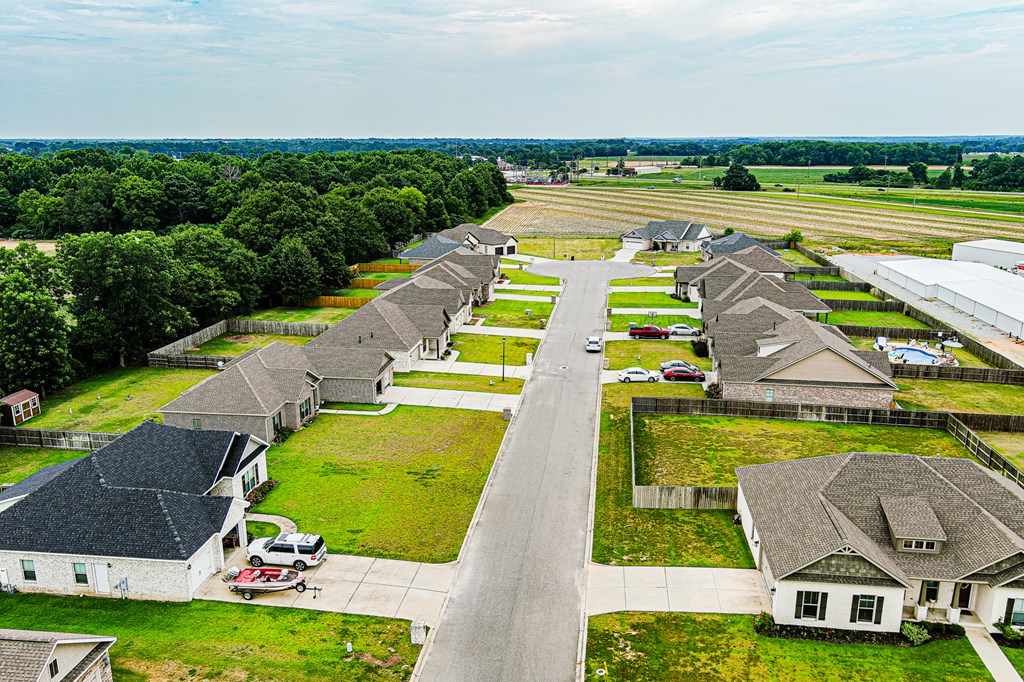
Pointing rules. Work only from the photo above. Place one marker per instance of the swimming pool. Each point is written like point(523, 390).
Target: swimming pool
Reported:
point(914, 356)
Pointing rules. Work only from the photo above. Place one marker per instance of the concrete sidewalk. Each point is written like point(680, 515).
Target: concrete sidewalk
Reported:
point(690, 312)
point(452, 366)
point(355, 584)
point(459, 400)
point(991, 655)
point(677, 589)
point(501, 331)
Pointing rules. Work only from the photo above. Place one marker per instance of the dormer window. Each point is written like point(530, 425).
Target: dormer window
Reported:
point(913, 525)
point(919, 545)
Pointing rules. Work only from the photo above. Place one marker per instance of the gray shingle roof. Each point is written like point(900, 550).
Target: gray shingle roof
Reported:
point(432, 247)
point(385, 325)
point(737, 241)
point(24, 654)
point(670, 230)
point(482, 266)
point(806, 509)
point(912, 517)
point(483, 235)
point(35, 481)
point(349, 363)
point(426, 290)
point(719, 294)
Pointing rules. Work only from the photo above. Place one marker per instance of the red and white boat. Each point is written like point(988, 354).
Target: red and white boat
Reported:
point(250, 581)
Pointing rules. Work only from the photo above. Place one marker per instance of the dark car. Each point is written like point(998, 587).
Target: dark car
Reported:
point(682, 374)
point(678, 364)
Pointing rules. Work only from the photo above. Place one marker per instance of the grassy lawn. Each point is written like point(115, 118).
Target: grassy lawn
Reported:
point(693, 450)
point(319, 315)
point(352, 293)
point(649, 647)
point(400, 486)
point(504, 313)
point(148, 387)
point(581, 249)
point(487, 349)
point(796, 259)
point(236, 344)
point(966, 359)
point(17, 463)
point(620, 323)
point(1016, 657)
point(517, 276)
point(665, 281)
point(262, 529)
point(646, 299)
point(653, 537)
point(355, 407)
point(844, 295)
point(871, 319)
point(459, 382)
point(960, 396)
point(667, 257)
point(623, 354)
point(214, 640)
point(1010, 445)
point(819, 278)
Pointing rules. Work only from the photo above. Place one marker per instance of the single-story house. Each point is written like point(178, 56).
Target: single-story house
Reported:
point(719, 293)
point(426, 290)
point(451, 274)
point(481, 239)
point(731, 243)
point(862, 541)
point(431, 248)
point(667, 235)
point(145, 516)
point(729, 266)
point(37, 656)
point(765, 352)
point(19, 407)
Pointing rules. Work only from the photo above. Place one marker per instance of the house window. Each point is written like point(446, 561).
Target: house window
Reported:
point(425, 345)
point(769, 395)
point(919, 545)
point(304, 409)
point(866, 608)
point(28, 569)
point(930, 591)
point(17, 409)
point(53, 668)
point(81, 577)
point(250, 479)
point(811, 605)
point(510, 250)
point(197, 424)
point(277, 422)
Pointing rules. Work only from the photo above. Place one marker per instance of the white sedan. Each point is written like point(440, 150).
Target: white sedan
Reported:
point(637, 374)
point(593, 344)
point(683, 330)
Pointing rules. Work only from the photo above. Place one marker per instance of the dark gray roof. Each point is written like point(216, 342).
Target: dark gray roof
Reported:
point(483, 235)
point(482, 266)
point(807, 509)
point(24, 654)
point(737, 241)
point(432, 247)
point(912, 517)
point(139, 497)
point(670, 230)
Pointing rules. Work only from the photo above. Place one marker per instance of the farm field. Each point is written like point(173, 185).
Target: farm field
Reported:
point(620, 323)
point(319, 315)
point(487, 349)
point(623, 354)
point(235, 344)
point(646, 299)
point(715, 446)
point(559, 249)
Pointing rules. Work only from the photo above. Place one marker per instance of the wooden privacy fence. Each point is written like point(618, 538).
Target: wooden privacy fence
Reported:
point(63, 440)
point(816, 270)
point(683, 497)
point(869, 306)
point(983, 451)
point(385, 267)
point(173, 355)
point(364, 283)
point(827, 285)
point(895, 334)
point(338, 301)
point(816, 257)
point(987, 375)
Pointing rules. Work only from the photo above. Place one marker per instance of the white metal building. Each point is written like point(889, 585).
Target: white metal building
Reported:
point(990, 294)
point(998, 253)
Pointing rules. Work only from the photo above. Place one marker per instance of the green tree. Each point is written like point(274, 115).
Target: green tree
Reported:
point(737, 179)
point(958, 176)
point(919, 171)
point(219, 277)
point(33, 338)
point(794, 236)
point(40, 216)
point(138, 203)
point(8, 211)
point(88, 200)
point(294, 274)
point(397, 221)
point(39, 267)
point(361, 234)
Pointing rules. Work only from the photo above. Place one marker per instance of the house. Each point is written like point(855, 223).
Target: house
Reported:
point(481, 239)
point(722, 288)
point(731, 243)
point(480, 270)
point(34, 655)
point(457, 301)
point(19, 407)
point(861, 541)
point(667, 235)
point(731, 265)
point(144, 517)
point(431, 248)
point(766, 352)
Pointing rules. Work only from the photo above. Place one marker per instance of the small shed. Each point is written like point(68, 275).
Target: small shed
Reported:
point(18, 407)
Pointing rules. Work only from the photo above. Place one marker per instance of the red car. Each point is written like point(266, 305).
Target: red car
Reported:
point(682, 374)
point(648, 331)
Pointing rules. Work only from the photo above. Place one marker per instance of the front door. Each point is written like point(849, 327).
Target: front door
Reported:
point(963, 600)
point(3, 577)
point(102, 579)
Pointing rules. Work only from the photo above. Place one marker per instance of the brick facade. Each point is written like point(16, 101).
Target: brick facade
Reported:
point(878, 398)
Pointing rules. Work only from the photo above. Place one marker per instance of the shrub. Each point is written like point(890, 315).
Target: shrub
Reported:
point(1010, 634)
point(915, 633)
point(283, 435)
point(728, 231)
point(260, 492)
point(764, 623)
point(944, 630)
point(700, 348)
point(713, 391)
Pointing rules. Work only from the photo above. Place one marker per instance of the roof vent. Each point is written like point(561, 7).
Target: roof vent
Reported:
point(360, 340)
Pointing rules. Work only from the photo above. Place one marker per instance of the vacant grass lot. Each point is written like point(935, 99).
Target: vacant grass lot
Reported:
point(149, 388)
point(667, 257)
point(871, 319)
point(517, 276)
point(235, 344)
point(487, 349)
point(652, 537)
point(623, 354)
point(319, 315)
point(705, 451)
point(581, 249)
point(844, 295)
point(505, 313)
point(652, 647)
point(620, 323)
point(1010, 445)
point(960, 396)
point(965, 358)
point(204, 640)
point(666, 280)
point(17, 464)
point(400, 486)
point(646, 299)
point(459, 382)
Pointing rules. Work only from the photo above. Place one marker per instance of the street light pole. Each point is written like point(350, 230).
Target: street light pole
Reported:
point(503, 359)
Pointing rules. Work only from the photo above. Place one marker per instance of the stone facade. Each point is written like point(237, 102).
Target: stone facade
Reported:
point(878, 398)
point(355, 390)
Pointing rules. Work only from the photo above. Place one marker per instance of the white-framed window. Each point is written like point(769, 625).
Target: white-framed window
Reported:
point(17, 409)
point(919, 545)
point(53, 668)
point(769, 395)
point(197, 424)
point(34, 402)
point(28, 569)
point(866, 608)
point(1015, 611)
point(251, 478)
point(811, 605)
point(81, 575)
point(929, 591)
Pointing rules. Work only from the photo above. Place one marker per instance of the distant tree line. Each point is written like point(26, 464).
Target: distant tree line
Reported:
point(996, 173)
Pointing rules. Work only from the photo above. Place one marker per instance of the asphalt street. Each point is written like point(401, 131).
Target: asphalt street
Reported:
point(515, 607)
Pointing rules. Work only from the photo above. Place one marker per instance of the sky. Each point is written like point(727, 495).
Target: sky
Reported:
point(559, 69)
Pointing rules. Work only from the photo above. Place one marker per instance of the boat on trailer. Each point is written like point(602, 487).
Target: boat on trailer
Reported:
point(251, 581)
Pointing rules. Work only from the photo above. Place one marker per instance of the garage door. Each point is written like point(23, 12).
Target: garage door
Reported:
point(202, 567)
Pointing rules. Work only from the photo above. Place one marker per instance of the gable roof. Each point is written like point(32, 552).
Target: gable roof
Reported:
point(718, 294)
point(482, 266)
point(427, 290)
point(737, 241)
point(378, 324)
point(24, 654)
point(18, 397)
point(669, 230)
point(432, 247)
point(483, 235)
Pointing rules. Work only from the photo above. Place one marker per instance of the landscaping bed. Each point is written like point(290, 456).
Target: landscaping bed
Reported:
point(705, 451)
point(399, 486)
point(148, 388)
point(652, 647)
point(624, 535)
point(620, 323)
point(487, 349)
point(319, 315)
point(765, 625)
point(623, 354)
point(960, 396)
point(232, 344)
point(646, 299)
point(871, 319)
point(202, 640)
point(459, 382)
point(505, 313)
point(18, 463)
point(517, 276)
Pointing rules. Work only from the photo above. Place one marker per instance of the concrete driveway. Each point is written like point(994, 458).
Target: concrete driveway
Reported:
point(459, 400)
point(661, 588)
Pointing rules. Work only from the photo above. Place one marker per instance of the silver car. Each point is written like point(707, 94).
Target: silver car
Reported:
point(683, 330)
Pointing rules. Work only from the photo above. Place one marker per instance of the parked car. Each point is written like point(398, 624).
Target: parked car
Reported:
point(683, 330)
point(648, 331)
point(682, 374)
point(637, 374)
point(298, 550)
point(593, 344)
point(678, 364)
